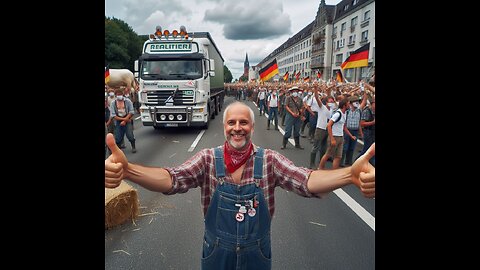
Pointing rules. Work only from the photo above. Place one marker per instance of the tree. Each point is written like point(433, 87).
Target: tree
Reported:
point(122, 45)
point(227, 75)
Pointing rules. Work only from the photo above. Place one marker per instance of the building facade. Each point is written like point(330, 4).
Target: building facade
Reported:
point(324, 44)
point(353, 27)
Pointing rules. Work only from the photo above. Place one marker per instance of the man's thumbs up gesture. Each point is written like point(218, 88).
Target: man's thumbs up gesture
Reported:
point(363, 173)
point(115, 165)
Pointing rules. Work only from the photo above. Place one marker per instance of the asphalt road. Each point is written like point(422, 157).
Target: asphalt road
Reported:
point(306, 233)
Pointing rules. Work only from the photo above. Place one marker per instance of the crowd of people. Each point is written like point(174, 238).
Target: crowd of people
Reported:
point(337, 115)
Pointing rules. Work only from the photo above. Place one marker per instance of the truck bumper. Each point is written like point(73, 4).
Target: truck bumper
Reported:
point(167, 116)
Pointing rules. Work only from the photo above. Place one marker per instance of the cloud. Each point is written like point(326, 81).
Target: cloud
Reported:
point(252, 19)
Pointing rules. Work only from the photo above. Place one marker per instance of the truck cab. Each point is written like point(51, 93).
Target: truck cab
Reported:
point(177, 84)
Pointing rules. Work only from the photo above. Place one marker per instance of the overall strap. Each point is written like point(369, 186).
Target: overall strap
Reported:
point(258, 164)
point(219, 164)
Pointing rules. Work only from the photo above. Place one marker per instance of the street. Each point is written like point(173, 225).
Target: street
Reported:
point(328, 233)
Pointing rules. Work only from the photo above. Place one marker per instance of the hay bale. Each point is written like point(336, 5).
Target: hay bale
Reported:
point(121, 204)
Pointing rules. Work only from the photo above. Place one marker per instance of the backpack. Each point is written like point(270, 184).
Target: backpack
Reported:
point(338, 110)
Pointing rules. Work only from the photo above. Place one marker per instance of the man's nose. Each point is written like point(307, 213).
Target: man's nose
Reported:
point(237, 126)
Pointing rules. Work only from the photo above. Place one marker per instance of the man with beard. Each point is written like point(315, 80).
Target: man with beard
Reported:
point(237, 181)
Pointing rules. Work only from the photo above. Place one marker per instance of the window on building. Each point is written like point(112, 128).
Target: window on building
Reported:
point(345, 7)
point(335, 30)
point(364, 35)
point(344, 26)
point(354, 21)
point(354, 2)
point(351, 39)
point(366, 15)
point(338, 59)
point(349, 73)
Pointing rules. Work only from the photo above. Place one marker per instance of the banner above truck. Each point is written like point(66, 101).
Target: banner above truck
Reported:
point(169, 47)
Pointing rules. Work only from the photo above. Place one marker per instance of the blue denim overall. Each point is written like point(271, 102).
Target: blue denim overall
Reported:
point(235, 239)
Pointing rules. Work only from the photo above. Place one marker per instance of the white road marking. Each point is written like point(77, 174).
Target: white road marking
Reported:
point(311, 222)
point(194, 144)
point(356, 207)
point(138, 117)
point(349, 201)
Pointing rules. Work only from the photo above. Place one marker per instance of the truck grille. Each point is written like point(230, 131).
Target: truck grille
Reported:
point(159, 98)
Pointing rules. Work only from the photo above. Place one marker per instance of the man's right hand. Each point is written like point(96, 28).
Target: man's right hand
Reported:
point(115, 164)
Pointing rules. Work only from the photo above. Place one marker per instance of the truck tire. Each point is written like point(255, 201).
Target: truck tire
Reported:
point(212, 110)
point(217, 105)
point(208, 121)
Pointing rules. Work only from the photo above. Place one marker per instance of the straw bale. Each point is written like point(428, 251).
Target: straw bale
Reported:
point(121, 205)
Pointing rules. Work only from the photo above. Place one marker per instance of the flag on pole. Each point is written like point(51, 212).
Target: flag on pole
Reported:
point(107, 74)
point(358, 58)
point(285, 77)
point(297, 76)
point(269, 71)
point(319, 74)
point(339, 76)
point(306, 79)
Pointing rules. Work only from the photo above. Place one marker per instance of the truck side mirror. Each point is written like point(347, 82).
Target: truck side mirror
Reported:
point(135, 67)
point(212, 64)
point(211, 72)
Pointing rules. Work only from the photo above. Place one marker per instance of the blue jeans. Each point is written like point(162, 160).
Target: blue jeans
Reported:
point(121, 131)
point(369, 139)
point(349, 146)
point(292, 123)
point(273, 115)
point(261, 106)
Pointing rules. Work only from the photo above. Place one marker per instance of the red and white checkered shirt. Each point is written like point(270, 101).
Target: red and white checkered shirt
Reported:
point(199, 171)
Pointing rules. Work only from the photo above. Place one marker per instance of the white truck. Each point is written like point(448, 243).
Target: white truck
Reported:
point(180, 79)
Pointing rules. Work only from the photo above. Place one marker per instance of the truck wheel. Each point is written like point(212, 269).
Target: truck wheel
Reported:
point(208, 117)
point(217, 105)
point(213, 112)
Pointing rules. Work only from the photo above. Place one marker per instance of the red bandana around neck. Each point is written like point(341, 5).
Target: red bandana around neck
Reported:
point(234, 159)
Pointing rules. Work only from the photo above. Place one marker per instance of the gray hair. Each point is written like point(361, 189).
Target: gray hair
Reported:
point(252, 115)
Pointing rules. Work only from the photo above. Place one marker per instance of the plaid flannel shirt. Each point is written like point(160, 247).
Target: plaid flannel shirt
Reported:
point(199, 171)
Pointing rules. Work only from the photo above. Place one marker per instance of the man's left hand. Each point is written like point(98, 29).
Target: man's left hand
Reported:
point(363, 173)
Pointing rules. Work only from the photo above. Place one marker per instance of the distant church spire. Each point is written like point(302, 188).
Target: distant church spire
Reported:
point(246, 65)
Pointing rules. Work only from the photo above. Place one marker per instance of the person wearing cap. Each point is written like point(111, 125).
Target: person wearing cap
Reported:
point(294, 111)
point(352, 124)
point(122, 112)
point(237, 181)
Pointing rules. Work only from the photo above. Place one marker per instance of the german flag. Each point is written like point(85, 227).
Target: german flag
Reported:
point(358, 58)
point(107, 74)
point(297, 76)
point(269, 71)
point(306, 79)
point(339, 76)
point(285, 77)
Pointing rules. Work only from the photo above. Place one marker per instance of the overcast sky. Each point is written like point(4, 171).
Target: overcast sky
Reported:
point(256, 27)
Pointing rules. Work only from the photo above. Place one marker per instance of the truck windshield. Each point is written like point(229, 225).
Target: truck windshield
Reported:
point(171, 69)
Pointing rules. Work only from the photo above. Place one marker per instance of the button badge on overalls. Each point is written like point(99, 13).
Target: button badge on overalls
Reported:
point(252, 212)
point(239, 217)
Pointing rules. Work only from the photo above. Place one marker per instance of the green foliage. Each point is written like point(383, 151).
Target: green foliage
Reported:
point(227, 75)
point(122, 45)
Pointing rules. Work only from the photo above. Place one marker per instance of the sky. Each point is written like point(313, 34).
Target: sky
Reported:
point(256, 27)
